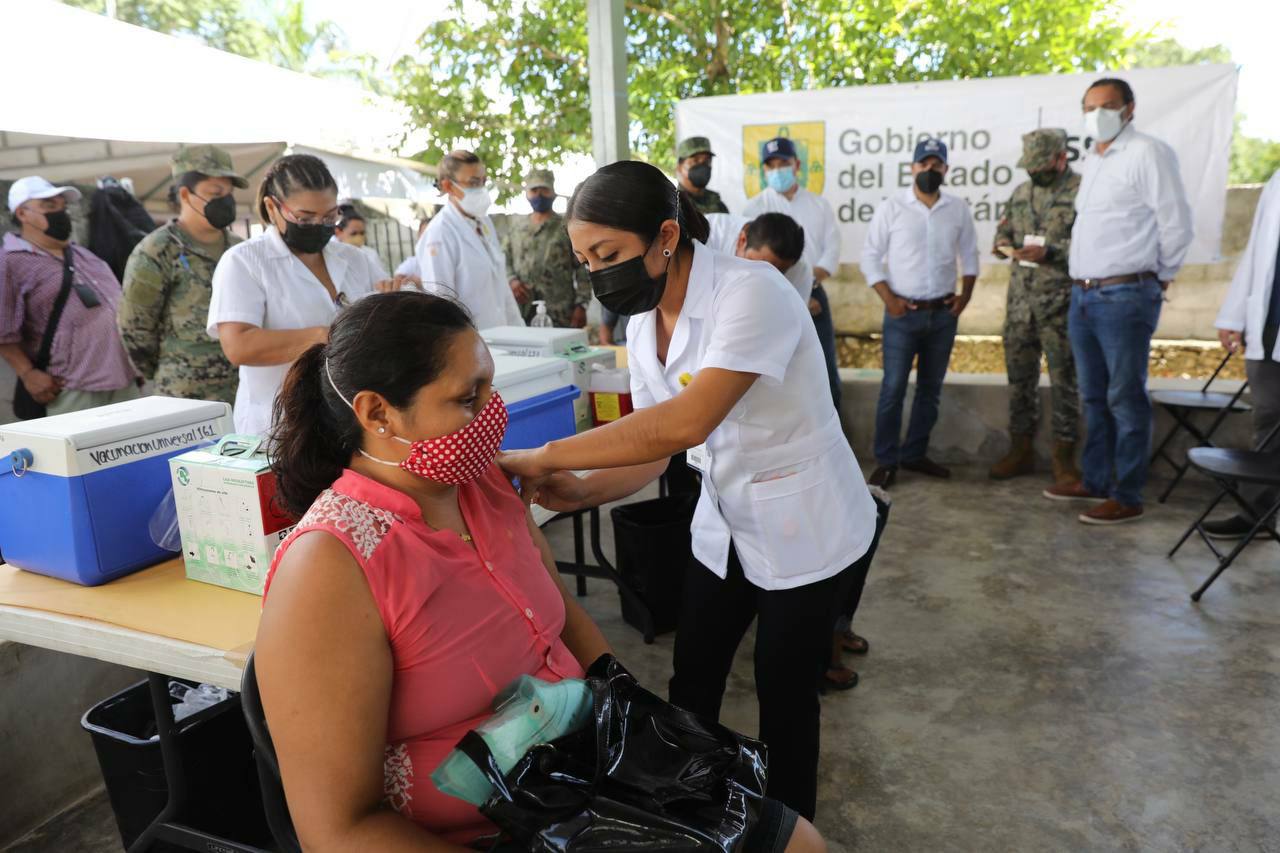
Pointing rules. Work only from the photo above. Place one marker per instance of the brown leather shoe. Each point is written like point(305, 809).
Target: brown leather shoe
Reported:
point(884, 476)
point(925, 465)
point(1111, 512)
point(1071, 492)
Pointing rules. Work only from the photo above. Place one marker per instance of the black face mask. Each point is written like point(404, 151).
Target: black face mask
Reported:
point(220, 211)
point(1045, 178)
point(928, 181)
point(627, 288)
point(700, 175)
point(59, 225)
point(307, 239)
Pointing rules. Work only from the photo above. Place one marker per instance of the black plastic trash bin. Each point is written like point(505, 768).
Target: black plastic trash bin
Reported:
point(654, 547)
point(223, 794)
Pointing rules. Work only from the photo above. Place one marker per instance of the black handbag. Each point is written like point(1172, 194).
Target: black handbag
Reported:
point(25, 406)
point(643, 776)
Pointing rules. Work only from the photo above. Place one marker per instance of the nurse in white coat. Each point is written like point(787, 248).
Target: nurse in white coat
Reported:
point(724, 363)
point(274, 296)
point(459, 255)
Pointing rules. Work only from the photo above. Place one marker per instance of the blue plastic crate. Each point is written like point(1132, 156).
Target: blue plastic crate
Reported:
point(542, 418)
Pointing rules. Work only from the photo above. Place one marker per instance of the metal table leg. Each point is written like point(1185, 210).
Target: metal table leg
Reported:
point(166, 825)
point(602, 569)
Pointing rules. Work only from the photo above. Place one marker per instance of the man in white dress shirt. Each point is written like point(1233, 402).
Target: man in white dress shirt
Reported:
point(784, 194)
point(1249, 322)
point(459, 254)
point(909, 259)
point(1132, 231)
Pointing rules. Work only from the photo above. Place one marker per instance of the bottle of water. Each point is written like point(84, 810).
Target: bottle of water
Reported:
point(540, 318)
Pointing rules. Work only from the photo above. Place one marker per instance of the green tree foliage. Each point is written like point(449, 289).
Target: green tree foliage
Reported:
point(217, 23)
point(511, 78)
point(284, 37)
point(1253, 160)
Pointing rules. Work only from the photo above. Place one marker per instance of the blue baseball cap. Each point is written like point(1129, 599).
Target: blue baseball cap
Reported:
point(926, 148)
point(779, 146)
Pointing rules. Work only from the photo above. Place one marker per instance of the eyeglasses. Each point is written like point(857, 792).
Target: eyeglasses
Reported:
point(330, 218)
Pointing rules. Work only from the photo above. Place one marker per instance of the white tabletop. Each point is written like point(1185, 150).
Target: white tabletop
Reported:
point(127, 647)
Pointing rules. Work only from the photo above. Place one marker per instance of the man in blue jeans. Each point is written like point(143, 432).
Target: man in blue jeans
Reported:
point(1132, 231)
point(913, 243)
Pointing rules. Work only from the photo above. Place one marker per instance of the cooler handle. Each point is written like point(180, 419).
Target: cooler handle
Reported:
point(20, 461)
point(236, 444)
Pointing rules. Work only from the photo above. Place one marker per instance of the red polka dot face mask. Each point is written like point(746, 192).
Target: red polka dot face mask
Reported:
point(459, 457)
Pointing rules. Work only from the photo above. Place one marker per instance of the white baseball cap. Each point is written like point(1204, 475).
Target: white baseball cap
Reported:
point(25, 189)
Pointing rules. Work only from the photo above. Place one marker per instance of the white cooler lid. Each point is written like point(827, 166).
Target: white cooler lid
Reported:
point(520, 377)
point(555, 340)
point(93, 439)
point(92, 427)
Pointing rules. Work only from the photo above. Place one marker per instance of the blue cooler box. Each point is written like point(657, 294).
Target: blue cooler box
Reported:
point(77, 491)
point(539, 394)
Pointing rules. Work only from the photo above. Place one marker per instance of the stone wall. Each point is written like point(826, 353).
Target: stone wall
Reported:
point(1189, 313)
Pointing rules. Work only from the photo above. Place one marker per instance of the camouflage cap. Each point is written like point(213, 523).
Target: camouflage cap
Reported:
point(1039, 147)
point(207, 160)
point(693, 145)
point(540, 178)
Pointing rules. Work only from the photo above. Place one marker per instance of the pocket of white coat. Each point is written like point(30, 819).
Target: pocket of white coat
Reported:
point(797, 518)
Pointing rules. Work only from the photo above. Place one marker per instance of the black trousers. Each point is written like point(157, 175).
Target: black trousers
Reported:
point(793, 646)
point(854, 579)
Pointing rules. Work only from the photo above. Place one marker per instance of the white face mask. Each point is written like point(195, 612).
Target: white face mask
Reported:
point(1103, 125)
point(475, 201)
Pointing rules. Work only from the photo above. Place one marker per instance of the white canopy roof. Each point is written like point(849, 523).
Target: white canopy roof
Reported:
point(117, 99)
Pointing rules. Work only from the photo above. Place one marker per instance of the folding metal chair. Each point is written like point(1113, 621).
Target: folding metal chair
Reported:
point(1182, 406)
point(1230, 469)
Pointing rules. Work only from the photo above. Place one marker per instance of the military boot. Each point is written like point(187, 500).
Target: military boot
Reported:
point(1065, 471)
point(1020, 460)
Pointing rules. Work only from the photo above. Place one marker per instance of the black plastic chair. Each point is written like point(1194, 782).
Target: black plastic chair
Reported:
point(264, 752)
point(1182, 406)
point(1230, 469)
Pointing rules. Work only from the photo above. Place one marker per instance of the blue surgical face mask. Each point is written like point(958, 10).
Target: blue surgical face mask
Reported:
point(782, 179)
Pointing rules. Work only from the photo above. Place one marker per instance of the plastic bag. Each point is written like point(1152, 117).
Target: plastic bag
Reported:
point(644, 776)
point(529, 712)
point(163, 525)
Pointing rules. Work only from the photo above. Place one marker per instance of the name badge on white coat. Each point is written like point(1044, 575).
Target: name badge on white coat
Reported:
point(698, 458)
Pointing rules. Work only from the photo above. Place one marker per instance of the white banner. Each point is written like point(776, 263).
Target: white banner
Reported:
point(856, 144)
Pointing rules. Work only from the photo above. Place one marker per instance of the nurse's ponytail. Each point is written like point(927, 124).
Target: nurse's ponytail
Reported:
point(633, 196)
point(390, 343)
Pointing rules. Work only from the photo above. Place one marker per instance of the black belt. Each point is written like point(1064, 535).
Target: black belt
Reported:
point(1091, 283)
point(928, 304)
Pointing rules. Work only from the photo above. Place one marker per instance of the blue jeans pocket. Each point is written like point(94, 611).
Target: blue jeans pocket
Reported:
point(1138, 291)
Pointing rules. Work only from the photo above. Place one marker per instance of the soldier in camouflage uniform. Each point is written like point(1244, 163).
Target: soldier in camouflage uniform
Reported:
point(168, 281)
point(693, 171)
point(1038, 300)
point(540, 258)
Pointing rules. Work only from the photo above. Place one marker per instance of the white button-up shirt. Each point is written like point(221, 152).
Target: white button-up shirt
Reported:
point(814, 213)
point(725, 228)
point(1249, 297)
point(1132, 213)
point(461, 258)
point(914, 247)
point(262, 283)
point(781, 483)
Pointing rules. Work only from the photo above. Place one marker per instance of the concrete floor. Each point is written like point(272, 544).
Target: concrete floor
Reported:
point(1033, 684)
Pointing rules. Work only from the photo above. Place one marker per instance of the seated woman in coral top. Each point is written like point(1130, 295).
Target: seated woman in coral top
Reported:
point(415, 587)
